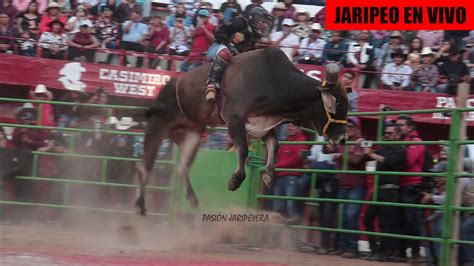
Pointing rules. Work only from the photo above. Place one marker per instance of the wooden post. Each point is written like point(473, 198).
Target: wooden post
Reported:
point(463, 96)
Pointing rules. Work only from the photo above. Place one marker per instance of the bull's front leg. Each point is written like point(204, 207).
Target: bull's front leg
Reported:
point(271, 142)
point(238, 135)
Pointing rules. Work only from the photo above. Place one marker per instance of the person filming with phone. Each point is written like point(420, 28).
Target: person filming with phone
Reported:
point(388, 158)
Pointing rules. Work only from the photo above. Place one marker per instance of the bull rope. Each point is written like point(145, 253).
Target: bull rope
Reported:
point(177, 99)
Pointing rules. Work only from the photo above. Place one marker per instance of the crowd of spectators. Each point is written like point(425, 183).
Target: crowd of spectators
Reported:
point(408, 189)
point(423, 61)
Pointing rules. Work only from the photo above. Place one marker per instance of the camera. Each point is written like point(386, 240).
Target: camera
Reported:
point(366, 144)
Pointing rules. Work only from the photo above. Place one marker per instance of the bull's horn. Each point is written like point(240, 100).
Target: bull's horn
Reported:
point(332, 73)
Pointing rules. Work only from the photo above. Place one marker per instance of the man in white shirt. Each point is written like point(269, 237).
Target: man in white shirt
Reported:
point(286, 38)
point(314, 54)
point(396, 75)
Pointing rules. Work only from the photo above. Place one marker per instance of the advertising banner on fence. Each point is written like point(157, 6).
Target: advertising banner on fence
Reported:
point(146, 84)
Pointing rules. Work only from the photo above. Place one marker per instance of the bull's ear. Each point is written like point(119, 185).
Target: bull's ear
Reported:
point(348, 89)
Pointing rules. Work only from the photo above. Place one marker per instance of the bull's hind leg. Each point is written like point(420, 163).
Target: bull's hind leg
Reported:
point(153, 137)
point(188, 141)
point(238, 134)
point(271, 142)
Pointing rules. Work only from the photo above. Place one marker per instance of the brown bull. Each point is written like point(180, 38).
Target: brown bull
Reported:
point(260, 90)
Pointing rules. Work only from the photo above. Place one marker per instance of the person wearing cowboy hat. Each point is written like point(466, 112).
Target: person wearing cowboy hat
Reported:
point(286, 38)
point(303, 27)
point(388, 48)
point(278, 17)
point(311, 48)
point(125, 123)
point(425, 76)
point(41, 93)
point(453, 72)
point(52, 13)
point(54, 41)
point(396, 75)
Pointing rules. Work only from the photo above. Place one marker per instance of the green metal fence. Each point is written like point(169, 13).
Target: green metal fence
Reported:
point(448, 239)
point(172, 189)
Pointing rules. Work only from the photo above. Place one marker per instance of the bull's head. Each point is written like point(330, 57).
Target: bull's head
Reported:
point(336, 105)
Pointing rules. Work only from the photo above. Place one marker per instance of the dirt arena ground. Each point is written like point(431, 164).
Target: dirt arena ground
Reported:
point(138, 241)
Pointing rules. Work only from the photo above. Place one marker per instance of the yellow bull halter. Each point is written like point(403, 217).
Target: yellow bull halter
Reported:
point(326, 108)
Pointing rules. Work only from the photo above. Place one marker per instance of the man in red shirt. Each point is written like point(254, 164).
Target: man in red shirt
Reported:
point(410, 187)
point(202, 38)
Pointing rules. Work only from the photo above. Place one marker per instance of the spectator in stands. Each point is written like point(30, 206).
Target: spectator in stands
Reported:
point(23, 5)
point(73, 23)
point(111, 5)
point(456, 37)
point(335, 51)
point(134, 35)
point(4, 143)
point(158, 40)
point(347, 79)
point(212, 19)
point(29, 20)
point(286, 38)
point(52, 13)
point(303, 27)
point(70, 115)
point(190, 6)
point(290, 9)
point(320, 17)
point(180, 14)
point(83, 43)
point(90, 5)
point(388, 158)
point(350, 186)
point(107, 31)
point(378, 38)
point(442, 55)
point(416, 46)
point(41, 93)
point(278, 17)
point(202, 38)
point(120, 171)
point(409, 188)
point(413, 61)
point(286, 183)
point(54, 41)
point(126, 9)
point(311, 48)
point(453, 72)
point(425, 76)
point(431, 38)
point(229, 10)
point(180, 38)
point(396, 75)
point(7, 32)
point(388, 48)
point(361, 56)
point(9, 9)
point(249, 7)
point(26, 44)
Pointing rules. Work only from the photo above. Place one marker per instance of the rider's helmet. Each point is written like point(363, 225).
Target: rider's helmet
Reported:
point(260, 19)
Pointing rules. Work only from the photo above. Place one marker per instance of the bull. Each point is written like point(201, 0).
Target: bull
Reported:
point(260, 90)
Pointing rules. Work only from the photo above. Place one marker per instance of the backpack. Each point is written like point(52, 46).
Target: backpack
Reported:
point(468, 195)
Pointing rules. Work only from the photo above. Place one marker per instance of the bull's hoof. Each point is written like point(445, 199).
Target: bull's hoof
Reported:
point(267, 180)
point(233, 184)
point(140, 207)
point(193, 201)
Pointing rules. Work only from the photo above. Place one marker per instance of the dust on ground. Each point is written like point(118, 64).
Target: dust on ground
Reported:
point(131, 240)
